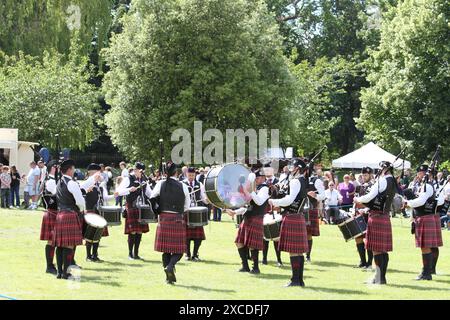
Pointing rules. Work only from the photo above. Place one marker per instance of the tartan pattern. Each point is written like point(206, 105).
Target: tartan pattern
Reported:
point(293, 235)
point(379, 232)
point(67, 231)
point(48, 224)
point(438, 227)
point(313, 228)
point(132, 223)
point(428, 234)
point(170, 234)
point(194, 232)
point(251, 232)
point(105, 230)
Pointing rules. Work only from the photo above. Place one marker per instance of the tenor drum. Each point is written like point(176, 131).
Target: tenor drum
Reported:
point(224, 186)
point(197, 216)
point(272, 225)
point(94, 225)
point(111, 214)
point(146, 214)
point(353, 227)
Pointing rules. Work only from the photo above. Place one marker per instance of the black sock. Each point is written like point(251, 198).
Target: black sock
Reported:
point(188, 248)
point(48, 255)
point(362, 253)
point(277, 252)
point(369, 257)
point(310, 244)
point(59, 259)
point(427, 260)
point(297, 270)
point(265, 250)
point(301, 260)
point(255, 257)
point(95, 249)
point(197, 243)
point(137, 242)
point(379, 262)
point(88, 249)
point(175, 257)
point(165, 259)
point(385, 264)
point(243, 254)
point(130, 244)
point(435, 253)
point(67, 254)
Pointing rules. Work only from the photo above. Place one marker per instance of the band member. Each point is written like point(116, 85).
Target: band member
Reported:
point(270, 181)
point(135, 188)
point(362, 190)
point(67, 231)
point(427, 232)
point(441, 205)
point(51, 210)
point(250, 236)
point(293, 235)
point(173, 198)
point(198, 198)
point(379, 230)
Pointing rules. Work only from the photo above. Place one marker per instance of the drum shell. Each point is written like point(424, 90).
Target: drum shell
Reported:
point(272, 231)
point(210, 187)
point(112, 216)
point(353, 228)
point(197, 218)
point(92, 233)
point(146, 215)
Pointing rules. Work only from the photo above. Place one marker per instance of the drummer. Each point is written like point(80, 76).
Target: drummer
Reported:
point(250, 235)
point(133, 187)
point(198, 198)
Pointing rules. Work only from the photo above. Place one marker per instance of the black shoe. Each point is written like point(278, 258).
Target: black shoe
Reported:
point(59, 276)
point(51, 269)
point(255, 271)
point(90, 259)
point(170, 275)
point(362, 265)
point(130, 257)
point(66, 276)
point(195, 258)
point(137, 258)
point(423, 276)
point(187, 258)
point(97, 259)
point(264, 261)
point(295, 284)
point(244, 269)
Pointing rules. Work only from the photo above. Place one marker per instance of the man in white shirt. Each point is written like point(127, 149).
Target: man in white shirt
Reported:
point(32, 186)
point(332, 200)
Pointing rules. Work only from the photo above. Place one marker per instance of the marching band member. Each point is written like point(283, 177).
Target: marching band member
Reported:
point(379, 230)
point(440, 201)
point(293, 234)
point(170, 239)
point(134, 187)
point(49, 217)
point(67, 231)
point(250, 234)
point(198, 196)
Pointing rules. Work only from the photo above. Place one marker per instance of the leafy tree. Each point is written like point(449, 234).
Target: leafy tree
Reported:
point(408, 100)
point(218, 61)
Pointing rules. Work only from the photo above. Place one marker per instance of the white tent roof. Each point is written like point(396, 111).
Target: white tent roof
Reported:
point(369, 155)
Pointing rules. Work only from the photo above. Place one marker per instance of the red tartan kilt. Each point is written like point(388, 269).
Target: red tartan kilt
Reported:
point(132, 223)
point(428, 234)
point(293, 235)
point(48, 224)
point(379, 232)
point(170, 234)
point(194, 232)
point(105, 230)
point(251, 232)
point(67, 231)
point(313, 228)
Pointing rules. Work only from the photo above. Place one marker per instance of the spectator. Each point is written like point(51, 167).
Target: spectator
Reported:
point(217, 215)
point(332, 200)
point(32, 186)
point(183, 175)
point(347, 191)
point(354, 180)
point(5, 186)
point(15, 187)
point(201, 175)
point(110, 182)
point(43, 170)
point(124, 170)
point(104, 173)
point(285, 173)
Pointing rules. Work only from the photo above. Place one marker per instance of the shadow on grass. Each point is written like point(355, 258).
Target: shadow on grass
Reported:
point(277, 276)
point(100, 280)
point(215, 262)
point(117, 263)
point(336, 290)
point(103, 269)
point(407, 286)
point(331, 264)
point(204, 289)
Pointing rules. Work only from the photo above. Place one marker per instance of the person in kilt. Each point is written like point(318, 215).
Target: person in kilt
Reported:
point(136, 188)
point(427, 232)
point(198, 198)
point(48, 219)
point(67, 233)
point(250, 235)
point(293, 234)
point(173, 199)
point(379, 229)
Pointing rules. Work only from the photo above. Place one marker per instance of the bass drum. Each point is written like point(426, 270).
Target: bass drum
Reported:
point(224, 186)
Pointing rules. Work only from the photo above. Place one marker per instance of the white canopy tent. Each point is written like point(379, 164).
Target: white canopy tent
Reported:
point(369, 155)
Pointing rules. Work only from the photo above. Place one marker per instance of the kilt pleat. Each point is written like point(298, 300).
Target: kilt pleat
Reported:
point(313, 228)
point(379, 232)
point(428, 233)
point(48, 224)
point(170, 234)
point(194, 233)
point(67, 231)
point(132, 223)
point(251, 232)
point(293, 235)
point(105, 230)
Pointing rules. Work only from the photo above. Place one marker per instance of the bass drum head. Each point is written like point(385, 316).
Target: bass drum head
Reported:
point(224, 186)
point(95, 220)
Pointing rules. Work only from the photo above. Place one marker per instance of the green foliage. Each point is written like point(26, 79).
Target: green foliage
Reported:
point(43, 98)
point(408, 100)
point(218, 61)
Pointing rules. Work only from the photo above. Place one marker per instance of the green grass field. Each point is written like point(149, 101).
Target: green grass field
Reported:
point(331, 275)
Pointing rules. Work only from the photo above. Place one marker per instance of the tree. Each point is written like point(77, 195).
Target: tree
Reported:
point(218, 61)
point(43, 98)
point(407, 103)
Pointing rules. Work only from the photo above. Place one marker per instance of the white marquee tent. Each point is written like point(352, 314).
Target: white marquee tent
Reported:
point(369, 155)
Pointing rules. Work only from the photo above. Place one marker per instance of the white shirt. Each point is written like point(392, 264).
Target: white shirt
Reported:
point(74, 189)
point(50, 185)
point(320, 193)
point(379, 186)
point(187, 199)
point(332, 197)
point(36, 172)
point(258, 197)
point(422, 198)
point(125, 173)
point(43, 172)
point(124, 190)
point(203, 196)
point(294, 189)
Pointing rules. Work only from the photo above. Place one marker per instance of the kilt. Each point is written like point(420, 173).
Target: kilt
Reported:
point(251, 232)
point(170, 234)
point(293, 236)
point(313, 227)
point(194, 233)
point(105, 230)
point(379, 232)
point(67, 231)
point(132, 223)
point(48, 223)
point(428, 233)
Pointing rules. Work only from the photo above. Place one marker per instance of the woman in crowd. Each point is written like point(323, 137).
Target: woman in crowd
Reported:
point(15, 187)
point(347, 191)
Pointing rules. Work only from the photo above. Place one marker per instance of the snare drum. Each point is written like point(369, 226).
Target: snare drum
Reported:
point(111, 214)
point(353, 227)
point(146, 214)
point(197, 216)
point(94, 225)
point(239, 218)
point(272, 225)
